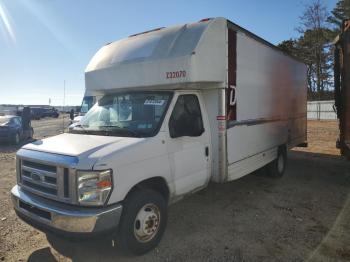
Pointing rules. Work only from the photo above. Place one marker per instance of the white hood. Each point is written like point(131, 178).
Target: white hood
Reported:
point(88, 148)
point(100, 151)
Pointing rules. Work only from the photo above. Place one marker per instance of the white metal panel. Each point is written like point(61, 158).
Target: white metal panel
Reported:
point(269, 83)
point(246, 141)
point(198, 49)
point(250, 164)
point(271, 100)
point(211, 102)
point(134, 164)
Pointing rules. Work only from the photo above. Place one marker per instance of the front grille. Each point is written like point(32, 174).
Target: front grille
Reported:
point(39, 177)
point(47, 168)
point(45, 179)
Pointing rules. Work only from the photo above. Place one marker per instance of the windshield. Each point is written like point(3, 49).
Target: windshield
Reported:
point(86, 105)
point(4, 120)
point(134, 114)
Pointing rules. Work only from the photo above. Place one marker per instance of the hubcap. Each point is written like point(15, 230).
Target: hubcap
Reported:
point(147, 223)
point(280, 163)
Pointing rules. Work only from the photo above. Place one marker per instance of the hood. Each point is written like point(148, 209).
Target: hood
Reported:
point(79, 145)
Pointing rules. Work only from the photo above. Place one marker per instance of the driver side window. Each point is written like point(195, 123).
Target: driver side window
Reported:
point(186, 118)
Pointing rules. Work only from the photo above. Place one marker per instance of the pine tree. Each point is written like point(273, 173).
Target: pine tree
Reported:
point(315, 46)
point(340, 12)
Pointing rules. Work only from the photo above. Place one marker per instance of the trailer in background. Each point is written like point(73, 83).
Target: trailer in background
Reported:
point(342, 87)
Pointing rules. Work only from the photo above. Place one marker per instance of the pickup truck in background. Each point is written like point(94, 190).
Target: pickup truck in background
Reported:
point(180, 107)
point(40, 112)
point(50, 112)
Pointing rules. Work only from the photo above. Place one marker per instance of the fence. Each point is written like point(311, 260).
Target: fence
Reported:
point(321, 110)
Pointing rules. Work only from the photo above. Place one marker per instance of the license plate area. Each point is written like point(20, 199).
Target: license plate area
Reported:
point(34, 210)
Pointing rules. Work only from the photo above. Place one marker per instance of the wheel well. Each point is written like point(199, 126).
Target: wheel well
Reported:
point(157, 184)
point(282, 148)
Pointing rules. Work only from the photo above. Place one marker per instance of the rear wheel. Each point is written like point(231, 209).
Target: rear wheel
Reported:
point(277, 167)
point(143, 221)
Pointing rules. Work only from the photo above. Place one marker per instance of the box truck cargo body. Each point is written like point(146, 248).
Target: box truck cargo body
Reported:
point(180, 106)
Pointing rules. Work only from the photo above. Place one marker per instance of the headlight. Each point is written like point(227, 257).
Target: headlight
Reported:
point(94, 187)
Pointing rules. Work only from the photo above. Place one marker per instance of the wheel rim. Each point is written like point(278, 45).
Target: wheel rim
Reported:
point(280, 163)
point(147, 223)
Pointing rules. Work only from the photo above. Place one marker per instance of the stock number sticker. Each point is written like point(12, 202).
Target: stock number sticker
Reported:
point(175, 74)
point(150, 102)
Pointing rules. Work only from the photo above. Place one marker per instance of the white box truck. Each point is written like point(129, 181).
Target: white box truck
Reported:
point(181, 106)
point(87, 103)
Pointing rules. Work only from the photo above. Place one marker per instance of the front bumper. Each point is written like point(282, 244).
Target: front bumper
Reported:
point(55, 216)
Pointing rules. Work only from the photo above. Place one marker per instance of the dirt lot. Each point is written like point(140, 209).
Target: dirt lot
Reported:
point(303, 216)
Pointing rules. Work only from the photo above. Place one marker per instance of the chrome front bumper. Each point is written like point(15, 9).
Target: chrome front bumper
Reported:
point(70, 219)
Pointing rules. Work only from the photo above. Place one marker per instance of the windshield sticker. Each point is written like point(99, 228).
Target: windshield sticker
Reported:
point(144, 126)
point(150, 102)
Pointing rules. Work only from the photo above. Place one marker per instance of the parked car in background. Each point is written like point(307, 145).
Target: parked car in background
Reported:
point(50, 112)
point(13, 130)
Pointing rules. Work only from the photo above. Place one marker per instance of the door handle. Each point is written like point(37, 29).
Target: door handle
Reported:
point(206, 151)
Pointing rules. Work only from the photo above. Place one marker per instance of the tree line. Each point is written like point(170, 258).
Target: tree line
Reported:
point(317, 29)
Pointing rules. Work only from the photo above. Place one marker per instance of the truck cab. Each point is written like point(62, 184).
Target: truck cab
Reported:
point(134, 142)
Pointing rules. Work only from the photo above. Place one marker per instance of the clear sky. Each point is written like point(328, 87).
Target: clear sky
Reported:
point(44, 42)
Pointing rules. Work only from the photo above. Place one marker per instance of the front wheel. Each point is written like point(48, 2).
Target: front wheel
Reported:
point(278, 166)
point(143, 221)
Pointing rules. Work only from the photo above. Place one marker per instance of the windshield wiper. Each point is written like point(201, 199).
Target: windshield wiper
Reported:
point(119, 128)
point(81, 127)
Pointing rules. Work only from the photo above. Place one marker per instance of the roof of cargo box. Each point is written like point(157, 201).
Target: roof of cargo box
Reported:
point(165, 57)
point(160, 43)
point(189, 53)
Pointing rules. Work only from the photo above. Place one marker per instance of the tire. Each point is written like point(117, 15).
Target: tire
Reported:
point(136, 236)
point(277, 167)
point(16, 139)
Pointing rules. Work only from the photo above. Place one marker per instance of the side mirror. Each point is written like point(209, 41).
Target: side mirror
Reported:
point(174, 134)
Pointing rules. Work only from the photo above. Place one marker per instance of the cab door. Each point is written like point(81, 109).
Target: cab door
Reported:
point(188, 144)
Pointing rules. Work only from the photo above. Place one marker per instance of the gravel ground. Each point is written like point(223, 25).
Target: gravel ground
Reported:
point(303, 216)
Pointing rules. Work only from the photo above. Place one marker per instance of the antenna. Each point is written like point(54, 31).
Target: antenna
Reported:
point(64, 103)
